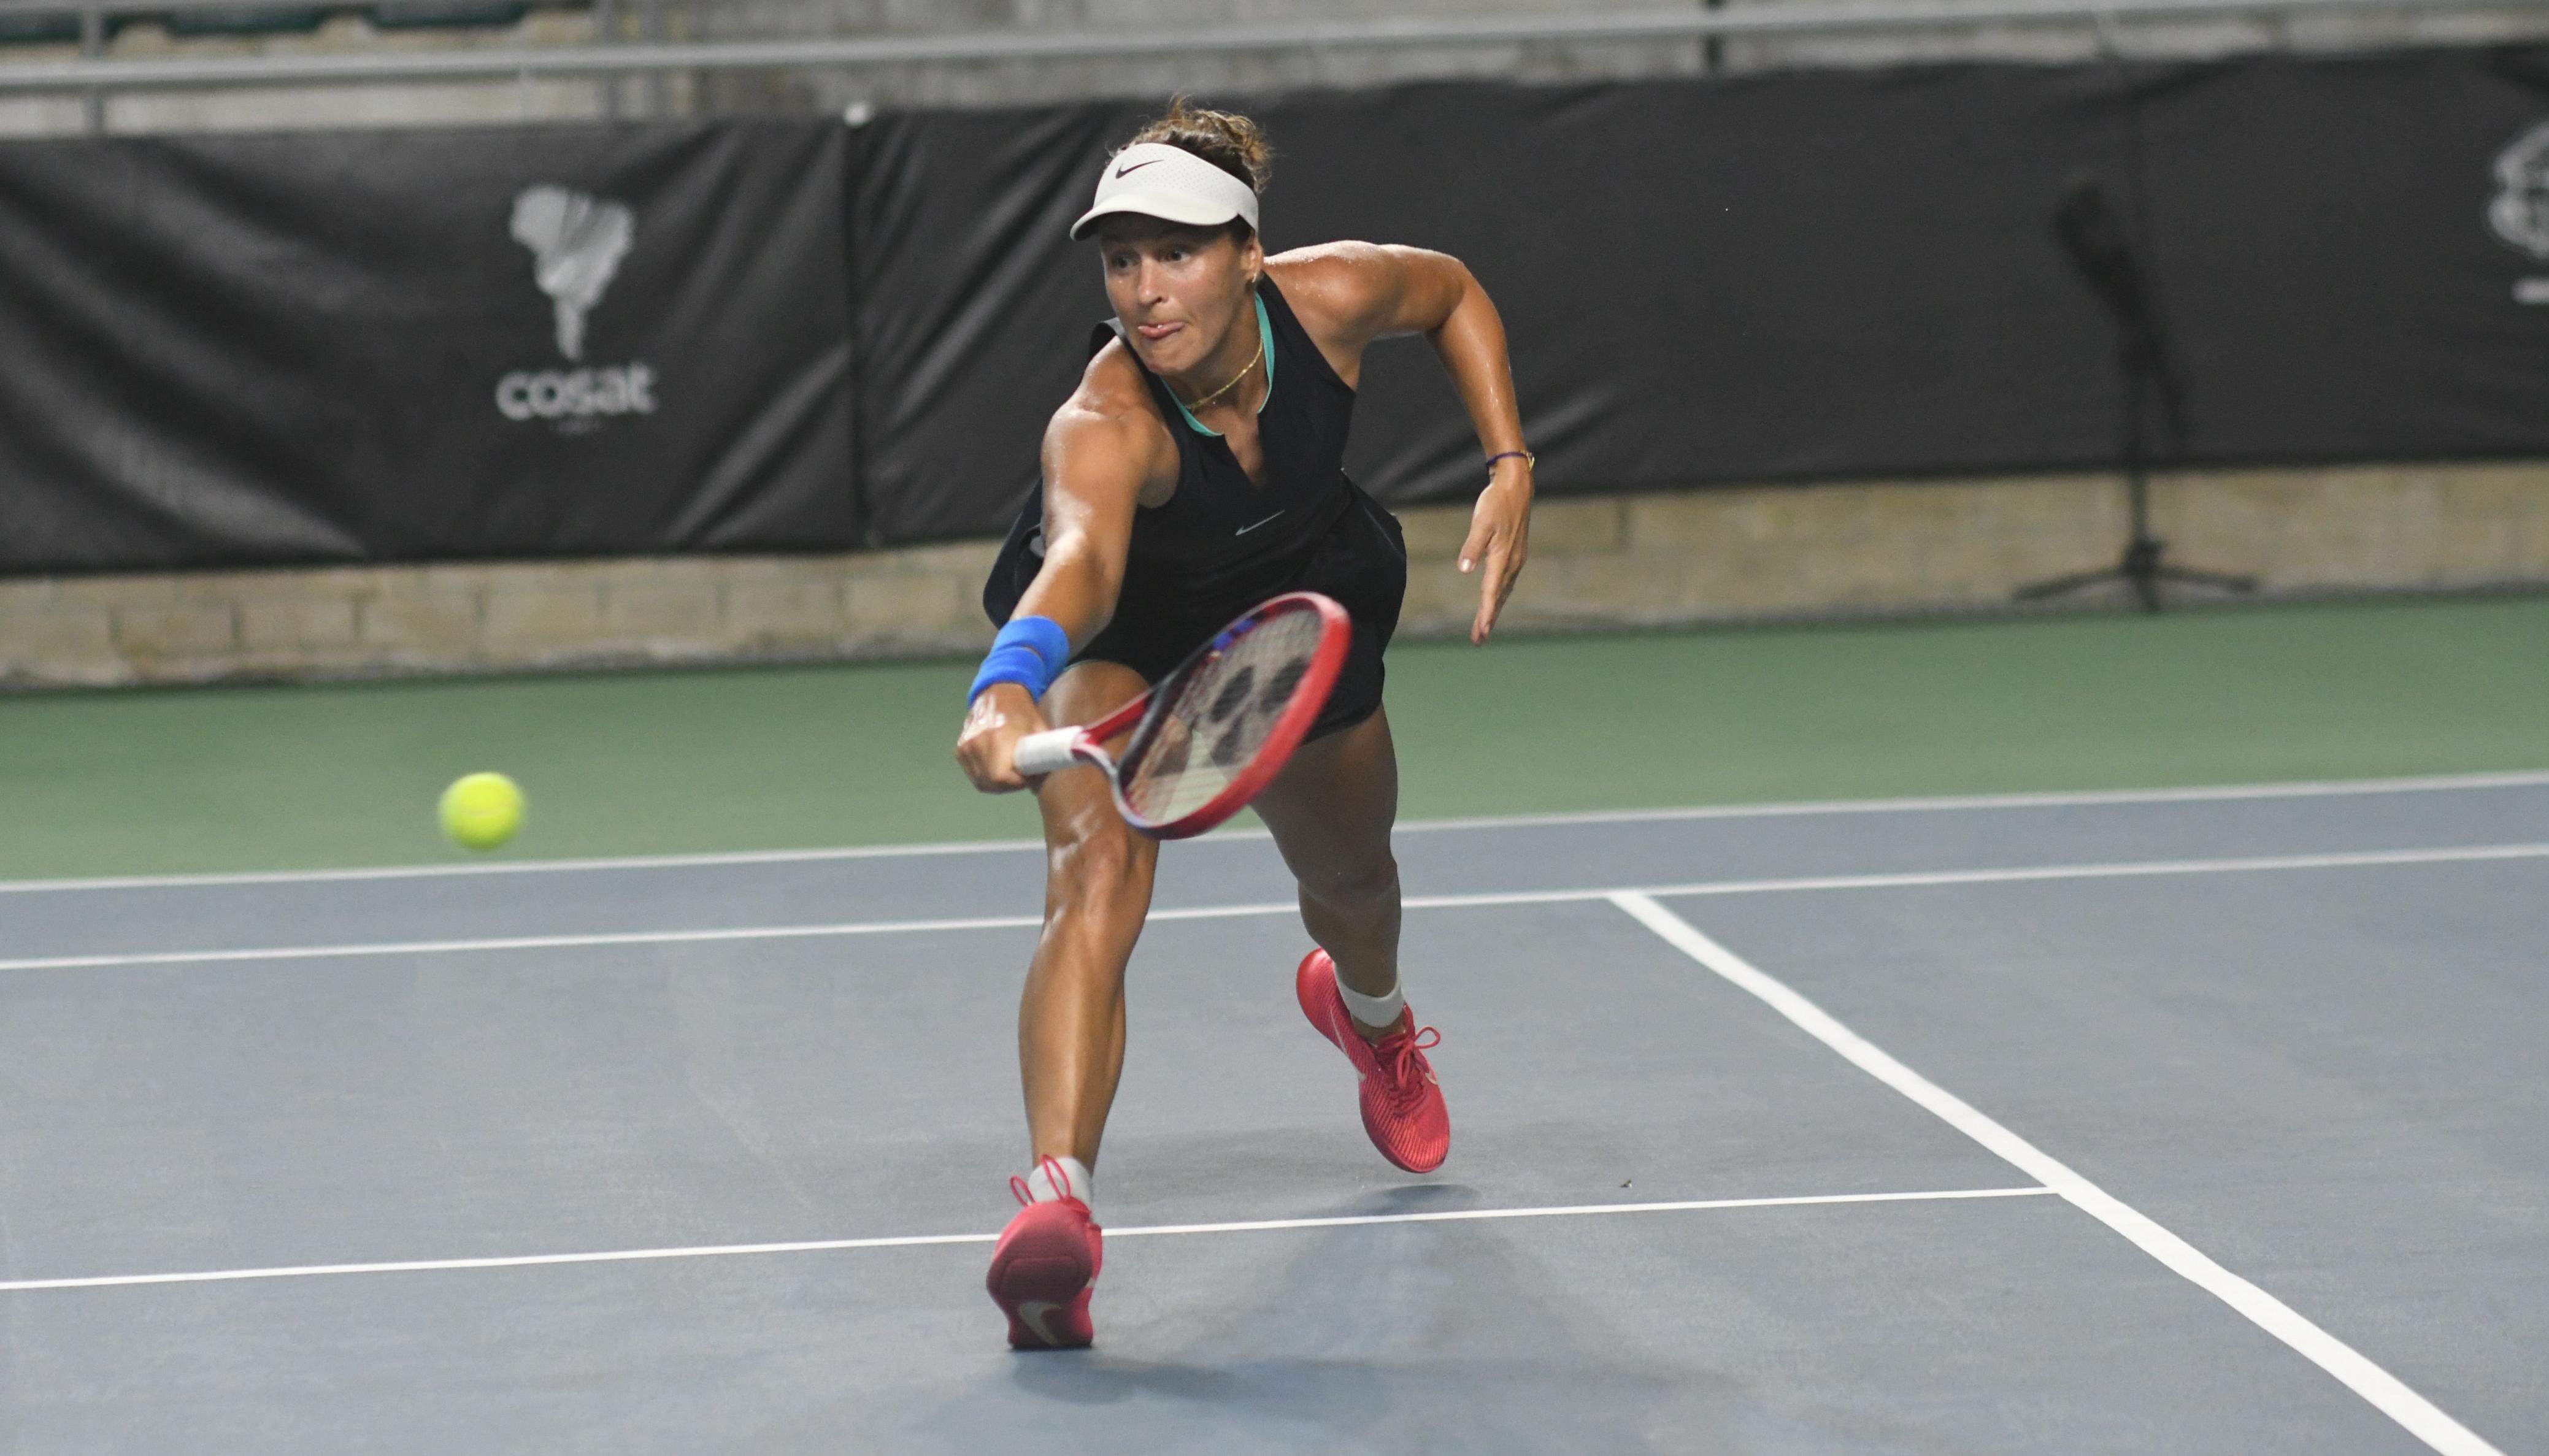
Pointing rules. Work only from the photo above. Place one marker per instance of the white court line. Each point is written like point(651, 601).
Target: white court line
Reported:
point(2048, 800)
point(828, 1245)
point(2308, 789)
point(2387, 1392)
point(1907, 879)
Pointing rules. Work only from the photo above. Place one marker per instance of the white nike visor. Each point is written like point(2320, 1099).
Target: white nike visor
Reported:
point(1169, 183)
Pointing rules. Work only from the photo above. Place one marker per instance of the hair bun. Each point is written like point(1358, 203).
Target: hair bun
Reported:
point(1231, 142)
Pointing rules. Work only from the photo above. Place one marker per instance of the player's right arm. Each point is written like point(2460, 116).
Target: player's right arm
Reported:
point(1106, 454)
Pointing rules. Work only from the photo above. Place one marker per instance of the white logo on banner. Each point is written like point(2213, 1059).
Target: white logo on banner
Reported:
point(576, 241)
point(2519, 211)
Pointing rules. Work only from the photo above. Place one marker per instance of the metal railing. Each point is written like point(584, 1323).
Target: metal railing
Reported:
point(654, 57)
point(92, 18)
point(103, 8)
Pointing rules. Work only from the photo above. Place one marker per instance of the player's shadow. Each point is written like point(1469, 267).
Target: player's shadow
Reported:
point(1444, 1337)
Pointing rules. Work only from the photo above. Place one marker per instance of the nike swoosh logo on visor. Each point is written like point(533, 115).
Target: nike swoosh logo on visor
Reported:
point(1244, 530)
point(1137, 167)
point(1033, 1313)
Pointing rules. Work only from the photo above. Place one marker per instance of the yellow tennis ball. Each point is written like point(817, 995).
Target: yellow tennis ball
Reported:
point(482, 810)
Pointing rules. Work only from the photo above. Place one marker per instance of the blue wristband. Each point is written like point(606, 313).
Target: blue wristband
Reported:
point(1030, 652)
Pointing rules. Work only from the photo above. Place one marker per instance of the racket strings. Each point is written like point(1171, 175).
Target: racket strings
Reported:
point(1206, 727)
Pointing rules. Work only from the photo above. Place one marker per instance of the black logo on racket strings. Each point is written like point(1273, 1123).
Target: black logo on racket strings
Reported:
point(1214, 723)
point(1248, 711)
point(1279, 688)
point(1233, 695)
point(1234, 744)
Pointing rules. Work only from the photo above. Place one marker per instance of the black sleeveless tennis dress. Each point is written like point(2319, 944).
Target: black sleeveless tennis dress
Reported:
point(1222, 544)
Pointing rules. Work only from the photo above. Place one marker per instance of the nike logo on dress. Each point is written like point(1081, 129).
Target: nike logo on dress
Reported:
point(1244, 530)
point(1137, 167)
point(1033, 1313)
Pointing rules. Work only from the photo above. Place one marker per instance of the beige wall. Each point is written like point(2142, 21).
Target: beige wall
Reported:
point(1716, 556)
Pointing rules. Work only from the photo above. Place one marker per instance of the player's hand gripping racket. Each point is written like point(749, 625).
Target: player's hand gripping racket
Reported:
point(1209, 735)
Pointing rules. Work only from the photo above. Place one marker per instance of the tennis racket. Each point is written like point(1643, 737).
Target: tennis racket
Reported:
point(1210, 734)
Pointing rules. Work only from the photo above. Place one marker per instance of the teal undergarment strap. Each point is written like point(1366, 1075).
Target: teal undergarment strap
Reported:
point(1265, 340)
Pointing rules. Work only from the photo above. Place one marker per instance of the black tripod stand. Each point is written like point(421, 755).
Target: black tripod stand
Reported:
point(2103, 252)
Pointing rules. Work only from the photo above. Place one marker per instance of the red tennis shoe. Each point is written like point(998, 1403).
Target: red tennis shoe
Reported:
point(1402, 1104)
point(1043, 1267)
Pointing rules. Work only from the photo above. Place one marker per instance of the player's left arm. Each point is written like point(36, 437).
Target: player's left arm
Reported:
point(1348, 294)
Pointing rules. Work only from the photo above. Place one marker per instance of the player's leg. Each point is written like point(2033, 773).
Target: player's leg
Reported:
point(1070, 1030)
point(1331, 810)
point(1097, 890)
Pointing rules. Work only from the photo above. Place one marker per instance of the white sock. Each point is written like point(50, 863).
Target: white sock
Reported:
point(1077, 1182)
point(1372, 1011)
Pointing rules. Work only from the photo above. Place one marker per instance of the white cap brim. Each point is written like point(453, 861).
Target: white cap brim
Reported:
point(1171, 183)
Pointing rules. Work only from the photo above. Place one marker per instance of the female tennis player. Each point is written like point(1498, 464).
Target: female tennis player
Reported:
point(1195, 474)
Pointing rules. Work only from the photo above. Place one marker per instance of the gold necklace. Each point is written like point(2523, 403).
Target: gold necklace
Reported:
point(1244, 371)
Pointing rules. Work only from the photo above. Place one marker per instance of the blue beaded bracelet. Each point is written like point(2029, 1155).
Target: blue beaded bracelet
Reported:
point(1030, 652)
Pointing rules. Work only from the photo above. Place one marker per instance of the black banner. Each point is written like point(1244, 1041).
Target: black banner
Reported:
point(1799, 275)
point(358, 346)
point(1791, 276)
point(2354, 254)
point(587, 340)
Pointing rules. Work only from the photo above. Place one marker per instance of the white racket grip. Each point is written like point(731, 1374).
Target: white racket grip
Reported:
point(1045, 752)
